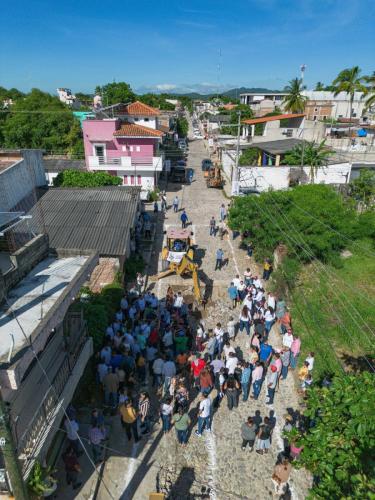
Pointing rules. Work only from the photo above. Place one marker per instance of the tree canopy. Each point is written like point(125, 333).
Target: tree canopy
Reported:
point(182, 127)
point(249, 157)
point(115, 92)
point(363, 188)
point(156, 101)
point(339, 444)
point(295, 101)
point(312, 154)
point(246, 113)
point(76, 178)
point(41, 121)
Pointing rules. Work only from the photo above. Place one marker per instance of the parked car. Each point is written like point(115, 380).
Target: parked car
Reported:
point(178, 173)
point(182, 143)
point(206, 164)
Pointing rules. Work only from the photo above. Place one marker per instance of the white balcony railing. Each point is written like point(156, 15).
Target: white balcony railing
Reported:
point(133, 163)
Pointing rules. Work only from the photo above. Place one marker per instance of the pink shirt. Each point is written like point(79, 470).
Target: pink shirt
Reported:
point(257, 373)
point(278, 363)
point(296, 346)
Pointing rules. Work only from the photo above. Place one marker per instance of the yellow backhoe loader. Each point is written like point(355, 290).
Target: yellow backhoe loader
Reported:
point(177, 257)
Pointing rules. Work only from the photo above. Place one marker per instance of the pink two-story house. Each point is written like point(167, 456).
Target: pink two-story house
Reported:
point(126, 145)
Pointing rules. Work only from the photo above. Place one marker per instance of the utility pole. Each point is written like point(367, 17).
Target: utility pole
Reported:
point(235, 187)
point(8, 448)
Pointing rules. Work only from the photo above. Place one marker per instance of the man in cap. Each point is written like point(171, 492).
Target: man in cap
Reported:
point(271, 383)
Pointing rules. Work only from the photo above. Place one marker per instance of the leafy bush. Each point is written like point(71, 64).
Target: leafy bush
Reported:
point(133, 265)
point(249, 157)
point(153, 195)
point(182, 127)
point(76, 178)
point(339, 445)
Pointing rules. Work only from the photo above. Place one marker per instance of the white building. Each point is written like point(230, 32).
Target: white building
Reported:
point(66, 96)
point(339, 105)
point(262, 104)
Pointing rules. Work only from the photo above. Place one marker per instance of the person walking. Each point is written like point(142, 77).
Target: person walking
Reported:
point(257, 377)
point(219, 259)
point(181, 421)
point(267, 269)
point(233, 294)
point(212, 226)
point(111, 385)
point(175, 203)
point(231, 388)
point(129, 420)
point(72, 467)
point(166, 410)
point(72, 428)
point(184, 219)
point(245, 319)
point(272, 378)
point(294, 352)
point(263, 437)
point(164, 204)
point(245, 380)
point(96, 436)
point(285, 359)
point(223, 213)
point(248, 434)
point(144, 411)
point(204, 415)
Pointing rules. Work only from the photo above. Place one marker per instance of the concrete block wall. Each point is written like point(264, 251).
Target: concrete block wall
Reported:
point(23, 261)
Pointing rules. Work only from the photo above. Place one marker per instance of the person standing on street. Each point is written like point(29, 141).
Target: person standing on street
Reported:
point(223, 213)
point(219, 259)
point(175, 203)
point(245, 380)
point(204, 415)
point(233, 295)
point(96, 436)
point(212, 226)
point(184, 218)
point(281, 475)
point(181, 421)
point(271, 384)
point(129, 420)
point(248, 434)
point(72, 467)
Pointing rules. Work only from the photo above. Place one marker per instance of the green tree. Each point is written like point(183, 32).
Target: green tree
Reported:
point(115, 92)
point(76, 178)
point(309, 153)
point(249, 157)
point(349, 81)
point(363, 188)
point(157, 101)
point(370, 90)
point(246, 114)
point(319, 86)
point(295, 101)
point(182, 126)
point(12, 93)
point(339, 444)
point(41, 121)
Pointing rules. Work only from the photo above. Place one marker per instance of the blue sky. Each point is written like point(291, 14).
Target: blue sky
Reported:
point(177, 44)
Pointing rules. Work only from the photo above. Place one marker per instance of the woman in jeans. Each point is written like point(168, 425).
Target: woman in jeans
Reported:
point(264, 434)
point(245, 319)
point(231, 388)
point(166, 410)
point(269, 319)
point(181, 422)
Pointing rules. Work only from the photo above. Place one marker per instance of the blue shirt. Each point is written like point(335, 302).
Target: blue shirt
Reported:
point(246, 374)
point(184, 217)
point(232, 291)
point(219, 254)
point(264, 351)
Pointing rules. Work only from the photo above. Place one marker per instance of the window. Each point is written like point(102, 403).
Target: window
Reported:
point(125, 180)
point(139, 180)
point(136, 119)
point(124, 148)
point(131, 148)
point(315, 109)
point(324, 117)
point(138, 149)
point(99, 152)
point(132, 180)
point(146, 119)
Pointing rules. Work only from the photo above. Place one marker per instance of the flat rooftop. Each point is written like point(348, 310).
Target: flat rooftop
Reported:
point(277, 147)
point(33, 298)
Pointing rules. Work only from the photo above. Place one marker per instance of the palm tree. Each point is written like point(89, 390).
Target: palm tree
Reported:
point(350, 81)
point(309, 153)
point(370, 91)
point(319, 86)
point(295, 101)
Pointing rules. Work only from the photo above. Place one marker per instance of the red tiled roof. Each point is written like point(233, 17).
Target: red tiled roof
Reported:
point(264, 119)
point(132, 130)
point(138, 108)
point(229, 106)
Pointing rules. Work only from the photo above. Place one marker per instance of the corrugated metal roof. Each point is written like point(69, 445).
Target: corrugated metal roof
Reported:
point(58, 165)
point(92, 218)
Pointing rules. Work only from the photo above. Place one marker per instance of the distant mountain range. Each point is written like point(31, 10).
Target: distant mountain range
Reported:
point(232, 93)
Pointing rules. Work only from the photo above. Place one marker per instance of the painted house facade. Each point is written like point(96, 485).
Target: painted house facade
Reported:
point(126, 144)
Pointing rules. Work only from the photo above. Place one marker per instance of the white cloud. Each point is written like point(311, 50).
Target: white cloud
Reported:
point(166, 86)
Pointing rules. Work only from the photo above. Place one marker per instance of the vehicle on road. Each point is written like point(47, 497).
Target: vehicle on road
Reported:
point(182, 144)
point(214, 178)
point(206, 164)
point(178, 173)
point(178, 257)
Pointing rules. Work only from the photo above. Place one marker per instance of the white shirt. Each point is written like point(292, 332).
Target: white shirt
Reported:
point(169, 369)
point(287, 340)
point(106, 354)
point(236, 282)
point(102, 371)
point(310, 360)
point(257, 283)
point(231, 327)
point(219, 333)
point(72, 429)
point(227, 350)
point(231, 365)
point(168, 338)
point(178, 301)
point(259, 296)
point(205, 408)
point(248, 301)
point(166, 409)
point(271, 301)
point(268, 316)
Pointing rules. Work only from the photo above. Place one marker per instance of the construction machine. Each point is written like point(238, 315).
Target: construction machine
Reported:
point(177, 257)
point(214, 178)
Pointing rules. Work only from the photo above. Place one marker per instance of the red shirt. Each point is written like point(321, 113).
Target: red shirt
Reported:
point(153, 338)
point(197, 366)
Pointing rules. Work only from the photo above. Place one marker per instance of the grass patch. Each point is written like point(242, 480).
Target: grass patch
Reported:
point(334, 311)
